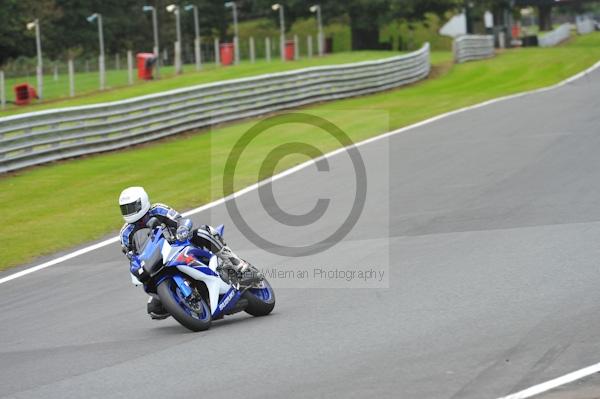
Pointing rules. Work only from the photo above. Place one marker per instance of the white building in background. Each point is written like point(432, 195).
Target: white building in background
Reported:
point(488, 20)
point(456, 26)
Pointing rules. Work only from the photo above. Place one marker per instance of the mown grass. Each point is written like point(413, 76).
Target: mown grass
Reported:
point(56, 93)
point(55, 207)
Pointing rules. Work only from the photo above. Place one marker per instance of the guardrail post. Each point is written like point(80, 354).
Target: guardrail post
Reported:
point(296, 48)
point(309, 44)
point(268, 49)
point(130, 67)
point(71, 78)
point(217, 54)
point(2, 91)
point(252, 59)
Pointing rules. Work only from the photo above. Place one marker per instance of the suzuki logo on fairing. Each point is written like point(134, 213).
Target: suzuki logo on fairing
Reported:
point(226, 300)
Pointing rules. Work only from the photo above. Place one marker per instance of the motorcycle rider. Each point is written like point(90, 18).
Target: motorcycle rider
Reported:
point(137, 210)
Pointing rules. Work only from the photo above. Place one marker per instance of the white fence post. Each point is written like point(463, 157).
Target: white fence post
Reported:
point(55, 72)
point(455, 54)
point(236, 50)
point(252, 57)
point(117, 62)
point(158, 61)
point(320, 43)
point(130, 66)
point(502, 40)
point(40, 81)
point(296, 47)
point(71, 78)
point(197, 53)
point(2, 91)
point(217, 54)
point(101, 71)
point(309, 44)
point(178, 63)
point(268, 49)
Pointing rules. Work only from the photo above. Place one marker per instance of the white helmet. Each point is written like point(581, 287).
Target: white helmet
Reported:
point(134, 204)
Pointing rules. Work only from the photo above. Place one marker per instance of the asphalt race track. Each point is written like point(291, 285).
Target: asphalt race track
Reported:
point(485, 225)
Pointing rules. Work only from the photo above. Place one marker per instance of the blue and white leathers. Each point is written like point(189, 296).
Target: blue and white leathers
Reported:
point(187, 281)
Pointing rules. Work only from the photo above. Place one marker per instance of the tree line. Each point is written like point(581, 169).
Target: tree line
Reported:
point(66, 32)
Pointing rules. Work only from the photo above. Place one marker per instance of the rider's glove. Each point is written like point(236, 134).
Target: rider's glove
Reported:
point(184, 230)
point(134, 266)
point(129, 253)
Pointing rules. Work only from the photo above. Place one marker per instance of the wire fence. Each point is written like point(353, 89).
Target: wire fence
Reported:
point(57, 82)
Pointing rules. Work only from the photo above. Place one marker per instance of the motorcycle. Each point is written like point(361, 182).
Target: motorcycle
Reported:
point(190, 283)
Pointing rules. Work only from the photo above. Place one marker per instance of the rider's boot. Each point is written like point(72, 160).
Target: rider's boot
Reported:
point(233, 264)
point(156, 309)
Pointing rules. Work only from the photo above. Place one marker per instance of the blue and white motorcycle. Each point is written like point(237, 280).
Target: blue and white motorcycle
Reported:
point(190, 283)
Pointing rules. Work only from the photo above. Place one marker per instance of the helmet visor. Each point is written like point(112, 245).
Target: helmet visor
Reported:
point(131, 208)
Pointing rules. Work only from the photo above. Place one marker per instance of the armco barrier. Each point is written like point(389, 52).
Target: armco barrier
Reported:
point(556, 36)
point(473, 47)
point(45, 136)
point(585, 25)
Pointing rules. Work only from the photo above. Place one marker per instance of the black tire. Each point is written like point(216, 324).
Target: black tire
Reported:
point(258, 304)
point(167, 291)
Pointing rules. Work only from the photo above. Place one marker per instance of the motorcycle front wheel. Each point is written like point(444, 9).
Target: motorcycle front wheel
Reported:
point(192, 313)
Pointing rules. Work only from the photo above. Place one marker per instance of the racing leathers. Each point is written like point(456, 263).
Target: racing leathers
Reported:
point(203, 237)
point(134, 235)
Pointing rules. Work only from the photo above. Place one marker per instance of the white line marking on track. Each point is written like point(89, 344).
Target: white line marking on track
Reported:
point(555, 383)
point(302, 166)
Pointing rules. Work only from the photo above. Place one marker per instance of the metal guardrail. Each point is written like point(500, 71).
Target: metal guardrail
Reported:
point(473, 47)
point(585, 24)
point(45, 136)
point(555, 37)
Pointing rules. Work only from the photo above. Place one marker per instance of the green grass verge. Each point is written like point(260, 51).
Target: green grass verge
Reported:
point(86, 84)
point(53, 207)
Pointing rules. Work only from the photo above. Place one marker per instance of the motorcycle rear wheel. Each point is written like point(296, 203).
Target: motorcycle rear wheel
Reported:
point(261, 301)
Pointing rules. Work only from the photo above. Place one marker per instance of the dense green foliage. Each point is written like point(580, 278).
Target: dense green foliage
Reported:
point(66, 32)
